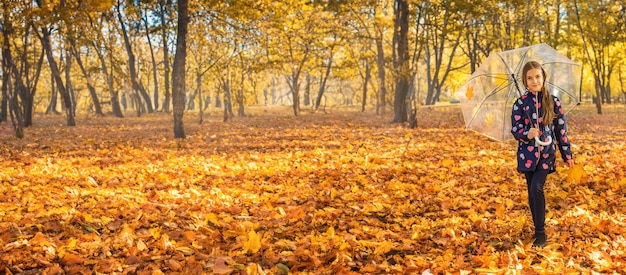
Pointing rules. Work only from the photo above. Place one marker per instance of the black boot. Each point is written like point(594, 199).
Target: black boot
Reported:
point(540, 239)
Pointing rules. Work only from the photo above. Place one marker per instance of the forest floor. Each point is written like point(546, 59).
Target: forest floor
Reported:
point(334, 192)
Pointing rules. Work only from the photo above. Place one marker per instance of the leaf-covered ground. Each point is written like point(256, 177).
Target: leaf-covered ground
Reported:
point(324, 193)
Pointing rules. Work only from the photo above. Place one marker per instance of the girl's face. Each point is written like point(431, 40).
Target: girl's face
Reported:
point(534, 80)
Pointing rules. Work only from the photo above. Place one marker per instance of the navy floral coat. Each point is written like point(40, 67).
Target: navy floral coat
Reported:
point(531, 157)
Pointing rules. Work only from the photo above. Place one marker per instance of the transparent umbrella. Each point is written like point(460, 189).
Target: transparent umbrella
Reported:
point(488, 95)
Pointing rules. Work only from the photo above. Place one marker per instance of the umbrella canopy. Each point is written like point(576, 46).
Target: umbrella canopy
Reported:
point(488, 95)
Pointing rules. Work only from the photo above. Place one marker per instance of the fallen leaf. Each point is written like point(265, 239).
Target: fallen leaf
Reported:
point(221, 265)
point(72, 259)
point(253, 243)
point(174, 265)
point(576, 174)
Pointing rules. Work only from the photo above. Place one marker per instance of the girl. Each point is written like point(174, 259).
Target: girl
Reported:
point(538, 114)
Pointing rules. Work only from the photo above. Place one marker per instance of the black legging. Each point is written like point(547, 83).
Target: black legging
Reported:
point(535, 181)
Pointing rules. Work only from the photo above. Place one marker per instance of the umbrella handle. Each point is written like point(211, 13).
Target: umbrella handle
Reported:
point(538, 141)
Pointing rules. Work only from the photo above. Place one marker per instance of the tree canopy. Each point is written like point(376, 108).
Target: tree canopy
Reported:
point(117, 57)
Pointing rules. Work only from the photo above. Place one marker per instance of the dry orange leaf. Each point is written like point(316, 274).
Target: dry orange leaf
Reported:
point(469, 94)
point(174, 265)
point(221, 265)
point(72, 259)
point(369, 268)
point(39, 239)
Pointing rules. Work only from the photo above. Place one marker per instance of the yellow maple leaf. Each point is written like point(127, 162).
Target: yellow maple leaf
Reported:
point(489, 119)
point(576, 174)
point(253, 243)
point(330, 232)
point(155, 232)
point(447, 162)
point(212, 218)
point(383, 247)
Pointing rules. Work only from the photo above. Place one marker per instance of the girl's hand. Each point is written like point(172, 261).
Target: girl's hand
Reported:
point(532, 133)
point(570, 163)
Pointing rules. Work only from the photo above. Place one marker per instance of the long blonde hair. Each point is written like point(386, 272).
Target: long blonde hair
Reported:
point(546, 99)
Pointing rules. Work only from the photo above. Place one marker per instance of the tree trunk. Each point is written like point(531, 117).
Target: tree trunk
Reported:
point(218, 99)
point(228, 106)
point(23, 88)
point(17, 118)
point(322, 88)
point(154, 65)
point(471, 37)
point(90, 87)
point(401, 61)
point(30, 93)
point(26, 87)
point(191, 100)
point(295, 83)
point(116, 108)
point(307, 90)
point(166, 56)
point(4, 104)
point(273, 85)
point(621, 82)
point(240, 104)
point(6, 73)
point(438, 44)
point(295, 89)
point(320, 92)
point(137, 104)
point(599, 95)
point(240, 98)
point(6, 53)
point(52, 107)
point(607, 85)
point(586, 51)
point(134, 77)
point(178, 73)
point(200, 96)
point(68, 77)
point(22, 92)
point(368, 76)
point(56, 74)
point(380, 63)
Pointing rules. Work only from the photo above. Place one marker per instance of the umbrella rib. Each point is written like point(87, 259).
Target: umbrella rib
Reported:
point(519, 64)
point(559, 88)
point(522, 60)
point(496, 76)
point(513, 77)
point(493, 92)
point(497, 89)
point(505, 64)
point(561, 62)
point(564, 91)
